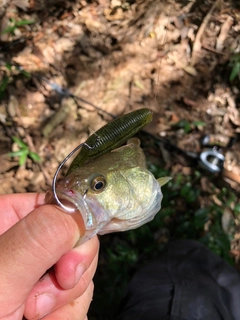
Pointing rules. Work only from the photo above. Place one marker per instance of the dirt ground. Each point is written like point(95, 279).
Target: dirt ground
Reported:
point(59, 60)
point(172, 57)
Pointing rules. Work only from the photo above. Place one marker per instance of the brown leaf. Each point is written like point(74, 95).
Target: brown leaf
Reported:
point(22, 4)
point(112, 15)
point(226, 26)
point(227, 219)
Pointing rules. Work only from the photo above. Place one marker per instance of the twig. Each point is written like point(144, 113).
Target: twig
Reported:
point(226, 26)
point(197, 43)
point(205, 46)
point(57, 118)
point(67, 93)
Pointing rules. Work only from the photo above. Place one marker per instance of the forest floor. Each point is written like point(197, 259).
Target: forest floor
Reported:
point(59, 60)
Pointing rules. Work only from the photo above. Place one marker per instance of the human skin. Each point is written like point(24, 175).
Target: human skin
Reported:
point(33, 238)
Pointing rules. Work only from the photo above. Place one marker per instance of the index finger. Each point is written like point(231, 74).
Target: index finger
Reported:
point(14, 207)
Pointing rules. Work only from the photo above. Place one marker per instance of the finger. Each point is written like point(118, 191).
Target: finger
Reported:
point(71, 266)
point(47, 295)
point(75, 310)
point(16, 206)
point(16, 315)
point(36, 243)
point(25, 205)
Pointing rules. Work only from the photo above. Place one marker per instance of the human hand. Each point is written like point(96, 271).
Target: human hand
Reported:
point(30, 244)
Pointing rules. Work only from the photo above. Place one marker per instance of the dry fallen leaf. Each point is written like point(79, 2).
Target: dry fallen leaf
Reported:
point(226, 26)
point(227, 219)
point(12, 106)
point(191, 70)
point(116, 14)
point(22, 4)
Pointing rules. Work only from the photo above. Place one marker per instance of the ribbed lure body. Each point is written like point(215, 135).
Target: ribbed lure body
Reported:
point(111, 136)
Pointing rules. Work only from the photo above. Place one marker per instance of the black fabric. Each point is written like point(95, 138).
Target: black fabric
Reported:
point(188, 282)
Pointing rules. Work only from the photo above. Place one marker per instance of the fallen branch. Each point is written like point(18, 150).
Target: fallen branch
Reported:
point(197, 43)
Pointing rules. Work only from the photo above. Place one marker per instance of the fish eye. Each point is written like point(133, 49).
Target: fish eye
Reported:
point(98, 183)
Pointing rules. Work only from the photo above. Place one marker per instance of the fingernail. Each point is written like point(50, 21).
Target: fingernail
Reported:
point(45, 303)
point(80, 269)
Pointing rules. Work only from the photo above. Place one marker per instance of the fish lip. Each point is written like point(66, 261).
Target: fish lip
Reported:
point(63, 196)
point(77, 200)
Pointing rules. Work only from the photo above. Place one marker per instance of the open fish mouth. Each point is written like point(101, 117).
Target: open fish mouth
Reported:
point(78, 206)
point(64, 197)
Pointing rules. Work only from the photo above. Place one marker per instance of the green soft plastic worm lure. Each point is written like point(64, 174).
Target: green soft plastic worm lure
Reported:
point(111, 136)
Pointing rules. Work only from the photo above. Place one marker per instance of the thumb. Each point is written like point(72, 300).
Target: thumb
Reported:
point(31, 247)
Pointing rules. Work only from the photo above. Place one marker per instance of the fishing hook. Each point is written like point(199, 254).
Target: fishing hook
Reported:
point(70, 210)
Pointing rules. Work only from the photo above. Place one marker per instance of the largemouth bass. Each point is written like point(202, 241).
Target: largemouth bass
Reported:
point(113, 192)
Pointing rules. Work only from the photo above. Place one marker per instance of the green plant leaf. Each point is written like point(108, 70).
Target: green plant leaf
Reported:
point(10, 29)
point(24, 152)
point(34, 156)
point(15, 25)
point(235, 71)
point(4, 84)
point(8, 66)
point(26, 74)
point(16, 153)
point(24, 23)
point(20, 143)
point(23, 157)
point(199, 123)
point(237, 208)
point(189, 193)
point(185, 125)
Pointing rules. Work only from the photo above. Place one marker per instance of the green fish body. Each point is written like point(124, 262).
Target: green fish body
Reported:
point(114, 192)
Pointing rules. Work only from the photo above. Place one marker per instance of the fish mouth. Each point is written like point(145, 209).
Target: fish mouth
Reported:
point(64, 199)
point(82, 208)
point(77, 207)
